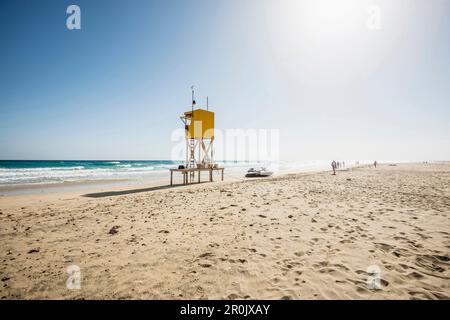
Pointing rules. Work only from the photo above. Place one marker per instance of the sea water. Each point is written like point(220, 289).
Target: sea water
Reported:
point(35, 172)
point(18, 172)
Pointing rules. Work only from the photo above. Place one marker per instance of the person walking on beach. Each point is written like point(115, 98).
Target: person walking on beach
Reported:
point(375, 163)
point(333, 166)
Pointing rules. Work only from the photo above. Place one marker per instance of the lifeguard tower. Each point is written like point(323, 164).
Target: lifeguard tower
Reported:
point(199, 135)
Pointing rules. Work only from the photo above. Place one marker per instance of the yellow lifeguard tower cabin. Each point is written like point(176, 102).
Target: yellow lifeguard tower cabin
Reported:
point(199, 129)
point(199, 124)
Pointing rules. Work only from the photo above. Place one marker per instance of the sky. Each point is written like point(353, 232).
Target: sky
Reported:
point(334, 83)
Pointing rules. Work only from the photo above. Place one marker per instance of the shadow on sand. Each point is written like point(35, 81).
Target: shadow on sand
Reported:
point(132, 191)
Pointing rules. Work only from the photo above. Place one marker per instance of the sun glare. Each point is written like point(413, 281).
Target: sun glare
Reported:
point(322, 37)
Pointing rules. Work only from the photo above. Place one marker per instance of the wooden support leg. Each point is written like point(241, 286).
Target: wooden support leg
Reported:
point(171, 177)
point(210, 175)
point(198, 172)
point(222, 174)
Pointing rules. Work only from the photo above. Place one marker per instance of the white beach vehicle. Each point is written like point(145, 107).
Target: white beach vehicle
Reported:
point(258, 172)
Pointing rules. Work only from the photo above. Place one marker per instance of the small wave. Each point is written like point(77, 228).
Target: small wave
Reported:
point(139, 169)
point(41, 169)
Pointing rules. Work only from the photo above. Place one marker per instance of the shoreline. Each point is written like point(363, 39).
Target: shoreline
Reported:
point(102, 185)
point(80, 188)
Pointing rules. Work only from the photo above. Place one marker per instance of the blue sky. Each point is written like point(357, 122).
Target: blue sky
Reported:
point(312, 69)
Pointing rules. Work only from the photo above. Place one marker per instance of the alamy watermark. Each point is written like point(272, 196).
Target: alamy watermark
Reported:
point(373, 277)
point(73, 21)
point(243, 145)
point(74, 280)
point(373, 21)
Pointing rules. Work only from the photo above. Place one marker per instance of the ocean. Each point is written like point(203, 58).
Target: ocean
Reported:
point(14, 172)
point(35, 172)
point(23, 172)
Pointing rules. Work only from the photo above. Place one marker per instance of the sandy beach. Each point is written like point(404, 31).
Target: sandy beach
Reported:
point(296, 236)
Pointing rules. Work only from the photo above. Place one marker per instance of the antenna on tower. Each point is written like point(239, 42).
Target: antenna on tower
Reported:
point(193, 101)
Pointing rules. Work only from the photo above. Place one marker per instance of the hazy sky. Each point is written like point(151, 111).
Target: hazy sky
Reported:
point(335, 84)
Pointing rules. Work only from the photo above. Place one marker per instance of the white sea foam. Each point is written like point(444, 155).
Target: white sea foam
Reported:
point(136, 170)
point(33, 175)
point(41, 169)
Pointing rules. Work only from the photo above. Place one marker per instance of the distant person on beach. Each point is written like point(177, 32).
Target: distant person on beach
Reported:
point(343, 164)
point(333, 165)
point(375, 163)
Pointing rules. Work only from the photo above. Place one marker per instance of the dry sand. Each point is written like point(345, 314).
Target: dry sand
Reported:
point(303, 236)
